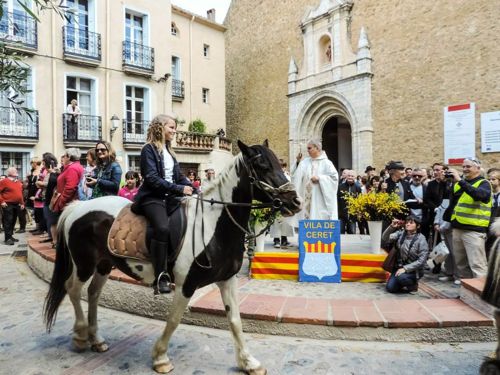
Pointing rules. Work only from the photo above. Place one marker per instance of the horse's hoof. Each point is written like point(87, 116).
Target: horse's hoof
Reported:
point(79, 345)
point(258, 371)
point(100, 347)
point(163, 368)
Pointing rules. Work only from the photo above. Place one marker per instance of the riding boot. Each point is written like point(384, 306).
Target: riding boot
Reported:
point(158, 251)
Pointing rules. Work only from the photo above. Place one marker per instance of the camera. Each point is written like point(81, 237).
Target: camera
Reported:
point(88, 179)
point(448, 174)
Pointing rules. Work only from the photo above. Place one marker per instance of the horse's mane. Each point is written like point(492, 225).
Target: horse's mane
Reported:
point(225, 174)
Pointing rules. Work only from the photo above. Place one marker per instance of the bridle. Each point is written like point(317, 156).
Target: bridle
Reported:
point(271, 192)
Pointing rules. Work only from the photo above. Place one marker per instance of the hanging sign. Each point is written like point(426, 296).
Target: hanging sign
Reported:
point(459, 133)
point(490, 132)
point(319, 251)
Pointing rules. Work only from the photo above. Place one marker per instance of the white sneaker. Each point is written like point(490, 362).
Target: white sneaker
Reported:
point(457, 282)
point(445, 278)
point(277, 246)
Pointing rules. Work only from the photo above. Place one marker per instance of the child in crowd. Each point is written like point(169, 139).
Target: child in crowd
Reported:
point(130, 189)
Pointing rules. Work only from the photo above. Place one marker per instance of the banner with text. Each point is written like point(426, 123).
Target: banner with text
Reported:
point(459, 133)
point(319, 251)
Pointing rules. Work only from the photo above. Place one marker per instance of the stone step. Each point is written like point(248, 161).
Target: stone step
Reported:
point(470, 293)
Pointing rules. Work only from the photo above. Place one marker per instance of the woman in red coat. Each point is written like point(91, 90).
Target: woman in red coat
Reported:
point(68, 180)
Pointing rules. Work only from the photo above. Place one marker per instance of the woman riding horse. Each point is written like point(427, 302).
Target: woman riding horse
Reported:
point(163, 185)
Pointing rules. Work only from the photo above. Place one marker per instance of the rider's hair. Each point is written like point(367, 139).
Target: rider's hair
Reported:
point(156, 134)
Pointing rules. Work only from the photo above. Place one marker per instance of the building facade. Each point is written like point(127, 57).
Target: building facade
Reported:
point(370, 78)
point(114, 58)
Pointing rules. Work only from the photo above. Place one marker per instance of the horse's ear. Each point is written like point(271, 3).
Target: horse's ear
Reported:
point(243, 147)
point(266, 143)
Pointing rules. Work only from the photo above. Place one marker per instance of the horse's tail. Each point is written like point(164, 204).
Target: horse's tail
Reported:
point(63, 268)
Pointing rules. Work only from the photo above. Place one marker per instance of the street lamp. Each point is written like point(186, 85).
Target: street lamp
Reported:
point(115, 122)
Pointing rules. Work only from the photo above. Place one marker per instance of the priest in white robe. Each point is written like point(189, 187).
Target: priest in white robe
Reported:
point(316, 181)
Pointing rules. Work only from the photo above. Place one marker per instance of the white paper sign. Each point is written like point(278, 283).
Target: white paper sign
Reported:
point(459, 133)
point(490, 132)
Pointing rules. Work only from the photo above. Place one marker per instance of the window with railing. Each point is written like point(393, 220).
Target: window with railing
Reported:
point(177, 88)
point(81, 128)
point(81, 42)
point(134, 131)
point(138, 56)
point(16, 123)
point(18, 27)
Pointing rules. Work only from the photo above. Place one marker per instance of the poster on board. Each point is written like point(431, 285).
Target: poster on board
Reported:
point(459, 133)
point(490, 132)
point(319, 251)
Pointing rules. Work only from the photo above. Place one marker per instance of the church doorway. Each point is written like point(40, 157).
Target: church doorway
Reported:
point(337, 142)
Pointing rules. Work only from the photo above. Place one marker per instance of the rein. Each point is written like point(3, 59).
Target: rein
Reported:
point(269, 190)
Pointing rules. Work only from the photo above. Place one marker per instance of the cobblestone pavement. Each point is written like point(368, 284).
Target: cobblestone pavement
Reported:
point(25, 347)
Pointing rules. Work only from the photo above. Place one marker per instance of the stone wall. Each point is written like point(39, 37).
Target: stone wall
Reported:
point(426, 55)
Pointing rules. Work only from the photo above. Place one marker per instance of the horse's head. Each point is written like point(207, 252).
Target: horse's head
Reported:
point(268, 182)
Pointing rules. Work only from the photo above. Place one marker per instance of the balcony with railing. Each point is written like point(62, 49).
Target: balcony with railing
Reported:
point(134, 133)
point(18, 126)
point(81, 129)
point(138, 59)
point(81, 46)
point(19, 31)
point(177, 89)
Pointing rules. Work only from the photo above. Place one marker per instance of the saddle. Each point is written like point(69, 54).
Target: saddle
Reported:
point(130, 234)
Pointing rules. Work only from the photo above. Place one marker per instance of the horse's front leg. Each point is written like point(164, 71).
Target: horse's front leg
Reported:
point(161, 362)
point(244, 359)
point(97, 342)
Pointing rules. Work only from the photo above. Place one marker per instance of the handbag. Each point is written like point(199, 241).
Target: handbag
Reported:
point(390, 260)
point(53, 200)
point(439, 253)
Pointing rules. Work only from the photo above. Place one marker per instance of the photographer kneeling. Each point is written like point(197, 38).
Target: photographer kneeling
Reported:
point(411, 254)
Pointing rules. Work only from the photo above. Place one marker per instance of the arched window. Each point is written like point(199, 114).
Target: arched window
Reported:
point(173, 29)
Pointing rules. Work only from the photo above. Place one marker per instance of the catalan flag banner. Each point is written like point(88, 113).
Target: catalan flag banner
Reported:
point(366, 268)
point(319, 251)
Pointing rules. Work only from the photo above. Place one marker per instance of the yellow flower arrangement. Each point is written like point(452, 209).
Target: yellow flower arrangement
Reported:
point(263, 216)
point(375, 206)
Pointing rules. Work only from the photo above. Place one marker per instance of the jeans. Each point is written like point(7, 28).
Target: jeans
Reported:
point(347, 226)
point(9, 217)
point(395, 284)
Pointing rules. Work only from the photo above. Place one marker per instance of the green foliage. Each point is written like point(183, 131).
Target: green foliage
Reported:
point(262, 215)
point(13, 70)
point(197, 126)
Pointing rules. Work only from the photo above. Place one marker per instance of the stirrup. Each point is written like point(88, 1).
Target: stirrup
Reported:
point(170, 285)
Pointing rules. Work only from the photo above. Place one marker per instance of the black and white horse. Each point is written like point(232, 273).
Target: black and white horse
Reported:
point(212, 251)
point(491, 294)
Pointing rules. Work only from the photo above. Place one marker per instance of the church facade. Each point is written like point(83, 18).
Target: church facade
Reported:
point(368, 78)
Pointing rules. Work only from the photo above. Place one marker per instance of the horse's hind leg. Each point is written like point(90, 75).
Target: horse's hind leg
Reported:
point(97, 342)
point(161, 362)
point(244, 359)
point(80, 328)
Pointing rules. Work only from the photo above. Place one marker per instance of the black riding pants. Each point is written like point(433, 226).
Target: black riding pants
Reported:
point(156, 213)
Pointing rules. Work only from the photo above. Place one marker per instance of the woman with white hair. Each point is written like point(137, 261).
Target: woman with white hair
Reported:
point(316, 180)
point(68, 180)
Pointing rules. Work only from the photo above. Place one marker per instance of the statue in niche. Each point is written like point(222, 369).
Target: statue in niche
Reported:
point(329, 53)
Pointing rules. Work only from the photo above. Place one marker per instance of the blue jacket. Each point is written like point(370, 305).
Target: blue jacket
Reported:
point(153, 173)
point(110, 178)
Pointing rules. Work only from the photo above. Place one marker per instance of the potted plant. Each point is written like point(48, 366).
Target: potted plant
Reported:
point(375, 208)
point(261, 218)
point(197, 126)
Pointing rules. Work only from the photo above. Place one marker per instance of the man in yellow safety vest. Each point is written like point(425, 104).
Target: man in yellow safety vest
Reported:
point(470, 210)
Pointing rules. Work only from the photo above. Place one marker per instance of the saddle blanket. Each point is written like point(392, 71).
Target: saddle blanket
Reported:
point(127, 237)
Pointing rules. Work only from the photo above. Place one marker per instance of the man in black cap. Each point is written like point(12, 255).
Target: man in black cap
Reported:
point(370, 172)
point(395, 182)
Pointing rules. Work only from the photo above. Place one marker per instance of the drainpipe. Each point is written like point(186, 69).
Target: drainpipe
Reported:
point(106, 80)
point(55, 129)
point(191, 69)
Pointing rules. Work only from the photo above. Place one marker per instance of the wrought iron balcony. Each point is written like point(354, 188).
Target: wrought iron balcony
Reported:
point(18, 124)
point(81, 44)
point(19, 29)
point(138, 58)
point(81, 128)
point(134, 132)
point(177, 89)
